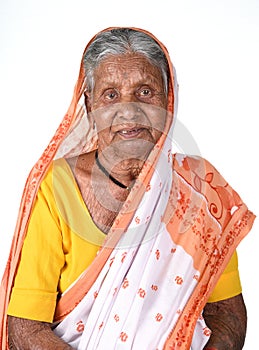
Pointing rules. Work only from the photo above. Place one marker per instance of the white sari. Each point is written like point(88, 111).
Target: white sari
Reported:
point(143, 287)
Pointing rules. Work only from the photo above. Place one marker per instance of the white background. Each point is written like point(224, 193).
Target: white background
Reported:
point(214, 46)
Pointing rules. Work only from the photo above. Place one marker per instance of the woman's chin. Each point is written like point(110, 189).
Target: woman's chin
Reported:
point(132, 149)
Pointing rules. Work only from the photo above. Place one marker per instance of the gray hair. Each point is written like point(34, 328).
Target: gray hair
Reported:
point(121, 41)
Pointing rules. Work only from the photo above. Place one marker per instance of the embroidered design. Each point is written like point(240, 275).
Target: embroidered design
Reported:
point(141, 293)
point(111, 261)
point(123, 336)
point(154, 287)
point(125, 283)
point(194, 179)
point(80, 326)
point(137, 220)
point(206, 331)
point(123, 256)
point(148, 188)
point(157, 254)
point(159, 317)
point(116, 318)
point(178, 280)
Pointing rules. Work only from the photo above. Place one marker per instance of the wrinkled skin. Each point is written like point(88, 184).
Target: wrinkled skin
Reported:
point(128, 109)
point(32, 335)
point(227, 320)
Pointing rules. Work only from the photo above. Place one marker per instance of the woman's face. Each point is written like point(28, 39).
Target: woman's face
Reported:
point(128, 105)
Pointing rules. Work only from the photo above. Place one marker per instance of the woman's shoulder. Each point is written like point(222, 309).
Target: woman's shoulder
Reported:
point(202, 176)
point(194, 165)
point(58, 169)
point(199, 174)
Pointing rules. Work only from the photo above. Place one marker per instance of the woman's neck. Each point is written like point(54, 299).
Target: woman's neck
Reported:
point(123, 170)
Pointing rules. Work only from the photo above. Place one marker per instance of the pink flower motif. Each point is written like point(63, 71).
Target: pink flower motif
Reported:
point(141, 293)
point(148, 188)
point(80, 326)
point(206, 331)
point(159, 317)
point(157, 254)
point(116, 317)
point(125, 283)
point(111, 261)
point(137, 219)
point(154, 287)
point(178, 280)
point(123, 336)
point(95, 294)
point(123, 256)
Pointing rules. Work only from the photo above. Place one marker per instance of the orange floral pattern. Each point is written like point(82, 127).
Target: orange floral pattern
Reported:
point(198, 222)
point(123, 336)
point(172, 271)
point(80, 326)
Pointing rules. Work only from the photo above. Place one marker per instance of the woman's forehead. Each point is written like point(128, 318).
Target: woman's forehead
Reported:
point(126, 65)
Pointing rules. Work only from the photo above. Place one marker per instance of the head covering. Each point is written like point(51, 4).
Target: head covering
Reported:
point(72, 137)
point(193, 178)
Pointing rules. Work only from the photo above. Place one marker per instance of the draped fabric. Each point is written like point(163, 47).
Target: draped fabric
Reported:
point(144, 284)
point(163, 255)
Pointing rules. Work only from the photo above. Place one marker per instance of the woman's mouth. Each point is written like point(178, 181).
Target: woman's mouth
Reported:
point(130, 133)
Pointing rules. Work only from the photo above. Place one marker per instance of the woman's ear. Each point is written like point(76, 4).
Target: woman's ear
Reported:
point(88, 106)
point(87, 101)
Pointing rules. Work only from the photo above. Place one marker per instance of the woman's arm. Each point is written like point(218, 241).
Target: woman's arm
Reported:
point(33, 335)
point(227, 320)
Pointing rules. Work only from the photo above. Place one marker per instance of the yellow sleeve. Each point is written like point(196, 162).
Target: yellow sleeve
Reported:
point(59, 233)
point(35, 289)
point(229, 284)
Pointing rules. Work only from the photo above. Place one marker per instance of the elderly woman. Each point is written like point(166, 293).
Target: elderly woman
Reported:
point(120, 243)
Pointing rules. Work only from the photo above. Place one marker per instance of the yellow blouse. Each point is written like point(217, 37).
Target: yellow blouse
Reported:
point(61, 242)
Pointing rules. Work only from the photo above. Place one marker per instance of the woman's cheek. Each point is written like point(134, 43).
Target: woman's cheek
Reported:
point(158, 119)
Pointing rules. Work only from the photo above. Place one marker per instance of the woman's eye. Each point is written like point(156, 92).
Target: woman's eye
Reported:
point(110, 95)
point(145, 92)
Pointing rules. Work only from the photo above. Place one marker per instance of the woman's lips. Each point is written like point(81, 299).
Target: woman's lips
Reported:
point(130, 133)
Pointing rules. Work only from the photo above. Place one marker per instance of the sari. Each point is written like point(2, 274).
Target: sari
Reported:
point(164, 254)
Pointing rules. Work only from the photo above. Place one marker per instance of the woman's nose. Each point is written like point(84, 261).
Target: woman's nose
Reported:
point(128, 111)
